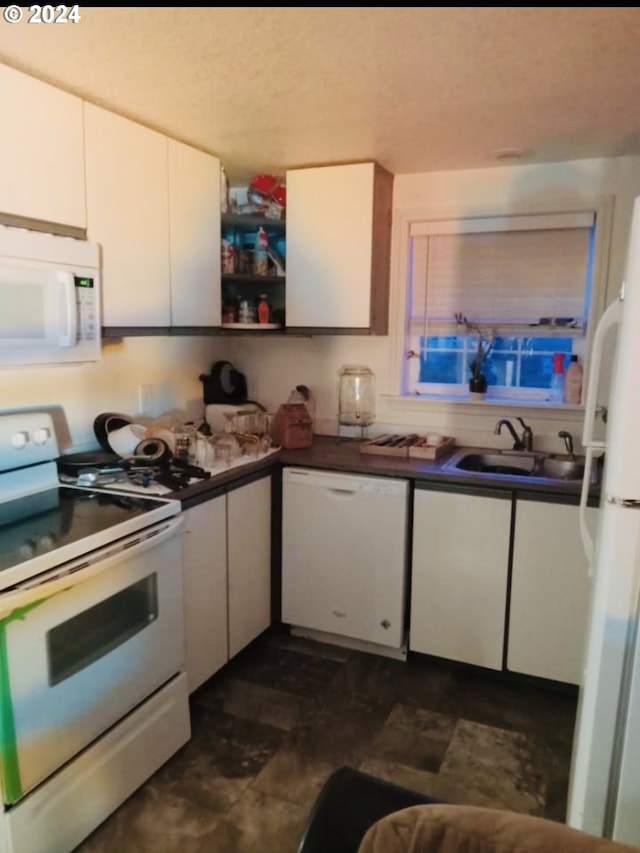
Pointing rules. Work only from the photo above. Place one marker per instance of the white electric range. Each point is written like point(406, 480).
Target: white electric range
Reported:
point(92, 639)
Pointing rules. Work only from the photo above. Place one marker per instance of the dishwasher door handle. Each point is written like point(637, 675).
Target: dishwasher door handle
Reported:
point(343, 491)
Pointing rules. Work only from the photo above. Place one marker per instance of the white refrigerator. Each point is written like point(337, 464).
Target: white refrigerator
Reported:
point(604, 790)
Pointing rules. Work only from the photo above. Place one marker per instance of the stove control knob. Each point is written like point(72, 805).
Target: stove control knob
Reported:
point(42, 435)
point(20, 439)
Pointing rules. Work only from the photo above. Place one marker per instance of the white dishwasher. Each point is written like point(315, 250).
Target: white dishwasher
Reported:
point(344, 564)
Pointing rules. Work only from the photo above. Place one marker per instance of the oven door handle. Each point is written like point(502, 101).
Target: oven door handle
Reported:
point(43, 586)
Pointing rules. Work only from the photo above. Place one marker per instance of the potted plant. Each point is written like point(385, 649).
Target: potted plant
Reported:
point(478, 381)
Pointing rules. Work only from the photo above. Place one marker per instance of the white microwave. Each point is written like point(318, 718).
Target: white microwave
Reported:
point(49, 299)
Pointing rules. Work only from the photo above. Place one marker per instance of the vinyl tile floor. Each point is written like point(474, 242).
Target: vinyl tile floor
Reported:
point(269, 729)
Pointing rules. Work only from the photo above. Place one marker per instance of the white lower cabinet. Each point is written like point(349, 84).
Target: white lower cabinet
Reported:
point(550, 592)
point(459, 576)
point(249, 562)
point(227, 576)
point(204, 545)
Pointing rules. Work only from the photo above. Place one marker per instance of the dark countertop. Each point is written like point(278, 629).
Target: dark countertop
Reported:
point(204, 490)
point(344, 455)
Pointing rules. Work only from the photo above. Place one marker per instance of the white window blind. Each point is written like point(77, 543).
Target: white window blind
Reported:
point(502, 271)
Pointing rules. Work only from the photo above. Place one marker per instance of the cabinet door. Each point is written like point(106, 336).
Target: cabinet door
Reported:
point(41, 151)
point(459, 576)
point(128, 214)
point(249, 544)
point(550, 591)
point(337, 275)
point(204, 547)
point(194, 215)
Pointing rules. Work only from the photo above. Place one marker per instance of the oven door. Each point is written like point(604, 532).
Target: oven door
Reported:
point(84, 644)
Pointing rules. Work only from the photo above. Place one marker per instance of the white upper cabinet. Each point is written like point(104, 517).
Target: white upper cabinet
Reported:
point(128, 214)
point(194, 221)
point(41, 151)
point(338, 247)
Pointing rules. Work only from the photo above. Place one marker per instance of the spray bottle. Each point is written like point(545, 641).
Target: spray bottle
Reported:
point(573, 381)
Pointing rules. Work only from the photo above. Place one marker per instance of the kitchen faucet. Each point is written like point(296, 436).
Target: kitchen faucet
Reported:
point(568, 443)
point(524, 443)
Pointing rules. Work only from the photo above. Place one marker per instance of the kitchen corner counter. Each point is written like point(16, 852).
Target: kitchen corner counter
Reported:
point(331, 453)
point(204, 490)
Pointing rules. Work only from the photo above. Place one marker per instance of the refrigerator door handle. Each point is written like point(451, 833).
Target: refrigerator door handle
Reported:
point(585, 534)
point(609, 319)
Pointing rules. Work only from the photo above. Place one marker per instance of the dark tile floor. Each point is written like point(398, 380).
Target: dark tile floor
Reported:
point(269, 729)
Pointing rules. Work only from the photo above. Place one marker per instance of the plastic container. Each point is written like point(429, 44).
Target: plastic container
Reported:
point(246, 312)
point(573, 382)
point(264, 312)
point(228, 257)
point(261, 258)
point(556, 392)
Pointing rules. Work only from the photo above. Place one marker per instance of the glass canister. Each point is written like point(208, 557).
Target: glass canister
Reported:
point(357, 396)
point(184, 437)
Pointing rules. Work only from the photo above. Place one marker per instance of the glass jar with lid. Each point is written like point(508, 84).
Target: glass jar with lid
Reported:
point(357, 397)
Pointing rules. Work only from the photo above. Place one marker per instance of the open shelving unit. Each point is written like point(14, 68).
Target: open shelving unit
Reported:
point(242, 231)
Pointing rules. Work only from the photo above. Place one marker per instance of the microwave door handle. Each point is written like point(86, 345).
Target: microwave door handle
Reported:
point(68, 309)
point(40, 588)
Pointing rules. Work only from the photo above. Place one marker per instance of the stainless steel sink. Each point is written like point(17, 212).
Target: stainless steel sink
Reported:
point(561, 469)
point(497, 463)
point(510, 463)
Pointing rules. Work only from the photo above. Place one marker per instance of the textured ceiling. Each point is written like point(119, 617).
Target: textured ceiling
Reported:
point(415, 88)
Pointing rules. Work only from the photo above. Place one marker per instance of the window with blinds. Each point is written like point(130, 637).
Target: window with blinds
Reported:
point(525, 279)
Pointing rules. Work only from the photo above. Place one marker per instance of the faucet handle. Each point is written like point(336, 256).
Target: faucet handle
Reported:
point(568, 442)
point(527, 435)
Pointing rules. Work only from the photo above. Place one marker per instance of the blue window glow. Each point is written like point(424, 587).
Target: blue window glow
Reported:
point(516, 362)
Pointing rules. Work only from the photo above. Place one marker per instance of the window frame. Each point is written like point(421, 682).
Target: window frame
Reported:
point(459, 390)
point(408, 220)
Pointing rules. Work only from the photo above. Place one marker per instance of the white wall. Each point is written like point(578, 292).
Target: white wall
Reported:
point(274, 366)
point(77, 393)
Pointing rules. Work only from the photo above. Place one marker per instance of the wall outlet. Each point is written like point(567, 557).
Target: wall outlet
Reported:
point(145, 399)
